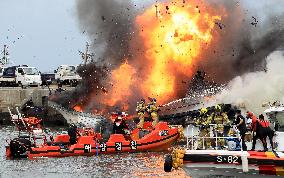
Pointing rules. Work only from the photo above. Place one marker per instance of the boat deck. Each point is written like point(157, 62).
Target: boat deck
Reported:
point(271, 163)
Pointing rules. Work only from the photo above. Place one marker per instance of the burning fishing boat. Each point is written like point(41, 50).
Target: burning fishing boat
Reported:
point(77, 117)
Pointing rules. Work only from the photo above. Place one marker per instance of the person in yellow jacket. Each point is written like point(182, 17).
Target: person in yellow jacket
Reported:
point(219, 119)
point(141, 110)
point(204, 130)
point(153, 111)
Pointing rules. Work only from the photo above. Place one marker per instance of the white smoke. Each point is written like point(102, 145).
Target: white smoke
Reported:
point(251, 90)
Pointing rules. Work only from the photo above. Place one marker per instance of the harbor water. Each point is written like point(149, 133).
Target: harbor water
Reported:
point(112, 165)
point(118, 165)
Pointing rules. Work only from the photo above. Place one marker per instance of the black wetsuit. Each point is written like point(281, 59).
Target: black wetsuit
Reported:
point(242, 128)
point(72, 132)
point(119, 129)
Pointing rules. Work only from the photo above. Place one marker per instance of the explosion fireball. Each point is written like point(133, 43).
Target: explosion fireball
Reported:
point(122, 79)
point(172, 37)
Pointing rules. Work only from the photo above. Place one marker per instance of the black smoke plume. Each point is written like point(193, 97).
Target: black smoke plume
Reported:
point(247, 35)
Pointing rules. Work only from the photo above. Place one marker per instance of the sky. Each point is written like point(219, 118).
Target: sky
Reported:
point(41, 33)
point(46, 33)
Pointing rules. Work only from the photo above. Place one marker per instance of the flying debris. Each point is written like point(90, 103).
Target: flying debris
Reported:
point(254, 22)
point(220, 25)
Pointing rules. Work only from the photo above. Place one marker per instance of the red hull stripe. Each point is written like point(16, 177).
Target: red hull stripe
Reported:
point(127, 146)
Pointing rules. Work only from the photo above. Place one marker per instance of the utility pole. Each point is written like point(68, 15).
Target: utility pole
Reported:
point(5, 59)
point(86, 55)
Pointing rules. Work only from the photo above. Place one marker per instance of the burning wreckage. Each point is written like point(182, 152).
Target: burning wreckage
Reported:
point(178, 112)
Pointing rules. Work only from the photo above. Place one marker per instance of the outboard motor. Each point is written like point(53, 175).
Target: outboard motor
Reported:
point(19, 147)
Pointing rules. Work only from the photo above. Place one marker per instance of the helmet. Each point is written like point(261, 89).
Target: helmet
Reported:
point(218, 108)
point(153, 100)
point(73, 125)
point(203, 110)
point(249, 114)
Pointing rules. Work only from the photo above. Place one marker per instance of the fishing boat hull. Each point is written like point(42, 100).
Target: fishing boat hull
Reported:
point(264, 162)
point(71, 116)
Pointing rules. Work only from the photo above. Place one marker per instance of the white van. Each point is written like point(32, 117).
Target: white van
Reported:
point(21, 76)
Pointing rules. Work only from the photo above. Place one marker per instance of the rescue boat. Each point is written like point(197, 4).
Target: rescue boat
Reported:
point(89, 143)
point(269, 162)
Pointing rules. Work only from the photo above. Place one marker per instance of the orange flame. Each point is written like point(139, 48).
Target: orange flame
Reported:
point(173, 39)
point(122, 79)
point(78, 108)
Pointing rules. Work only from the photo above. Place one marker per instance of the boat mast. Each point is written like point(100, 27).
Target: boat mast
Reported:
point(86, 55)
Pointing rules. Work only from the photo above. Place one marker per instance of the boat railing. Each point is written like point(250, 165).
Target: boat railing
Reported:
point(17, 119)
point(190, 140)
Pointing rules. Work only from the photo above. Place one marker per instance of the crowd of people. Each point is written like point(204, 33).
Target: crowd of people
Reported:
point(212, 123)
point(217, 123)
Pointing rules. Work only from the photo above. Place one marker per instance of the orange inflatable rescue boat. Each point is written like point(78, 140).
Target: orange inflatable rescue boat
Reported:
point(89, 143)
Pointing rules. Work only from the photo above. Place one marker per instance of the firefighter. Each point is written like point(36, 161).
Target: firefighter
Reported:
point(204, 129)
point(153, 111)
point(220, 119)
point(141, 109)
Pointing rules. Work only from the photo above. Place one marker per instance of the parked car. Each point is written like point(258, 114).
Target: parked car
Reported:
point(67, 75)
point(48, 78)
point(21, 76)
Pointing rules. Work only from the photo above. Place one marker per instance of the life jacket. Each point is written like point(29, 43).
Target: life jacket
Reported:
point(264, 123)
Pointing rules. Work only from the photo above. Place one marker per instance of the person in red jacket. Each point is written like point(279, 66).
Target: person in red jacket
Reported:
point(253, 127)
point(263, 122)
point(261, 130)
point(254, 120)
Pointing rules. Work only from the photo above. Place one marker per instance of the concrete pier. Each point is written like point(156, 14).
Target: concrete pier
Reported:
point(13, 97)
point(16, 97)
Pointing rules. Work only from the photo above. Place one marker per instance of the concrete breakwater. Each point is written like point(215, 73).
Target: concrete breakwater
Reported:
point(16, 97)
point(13, 97)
